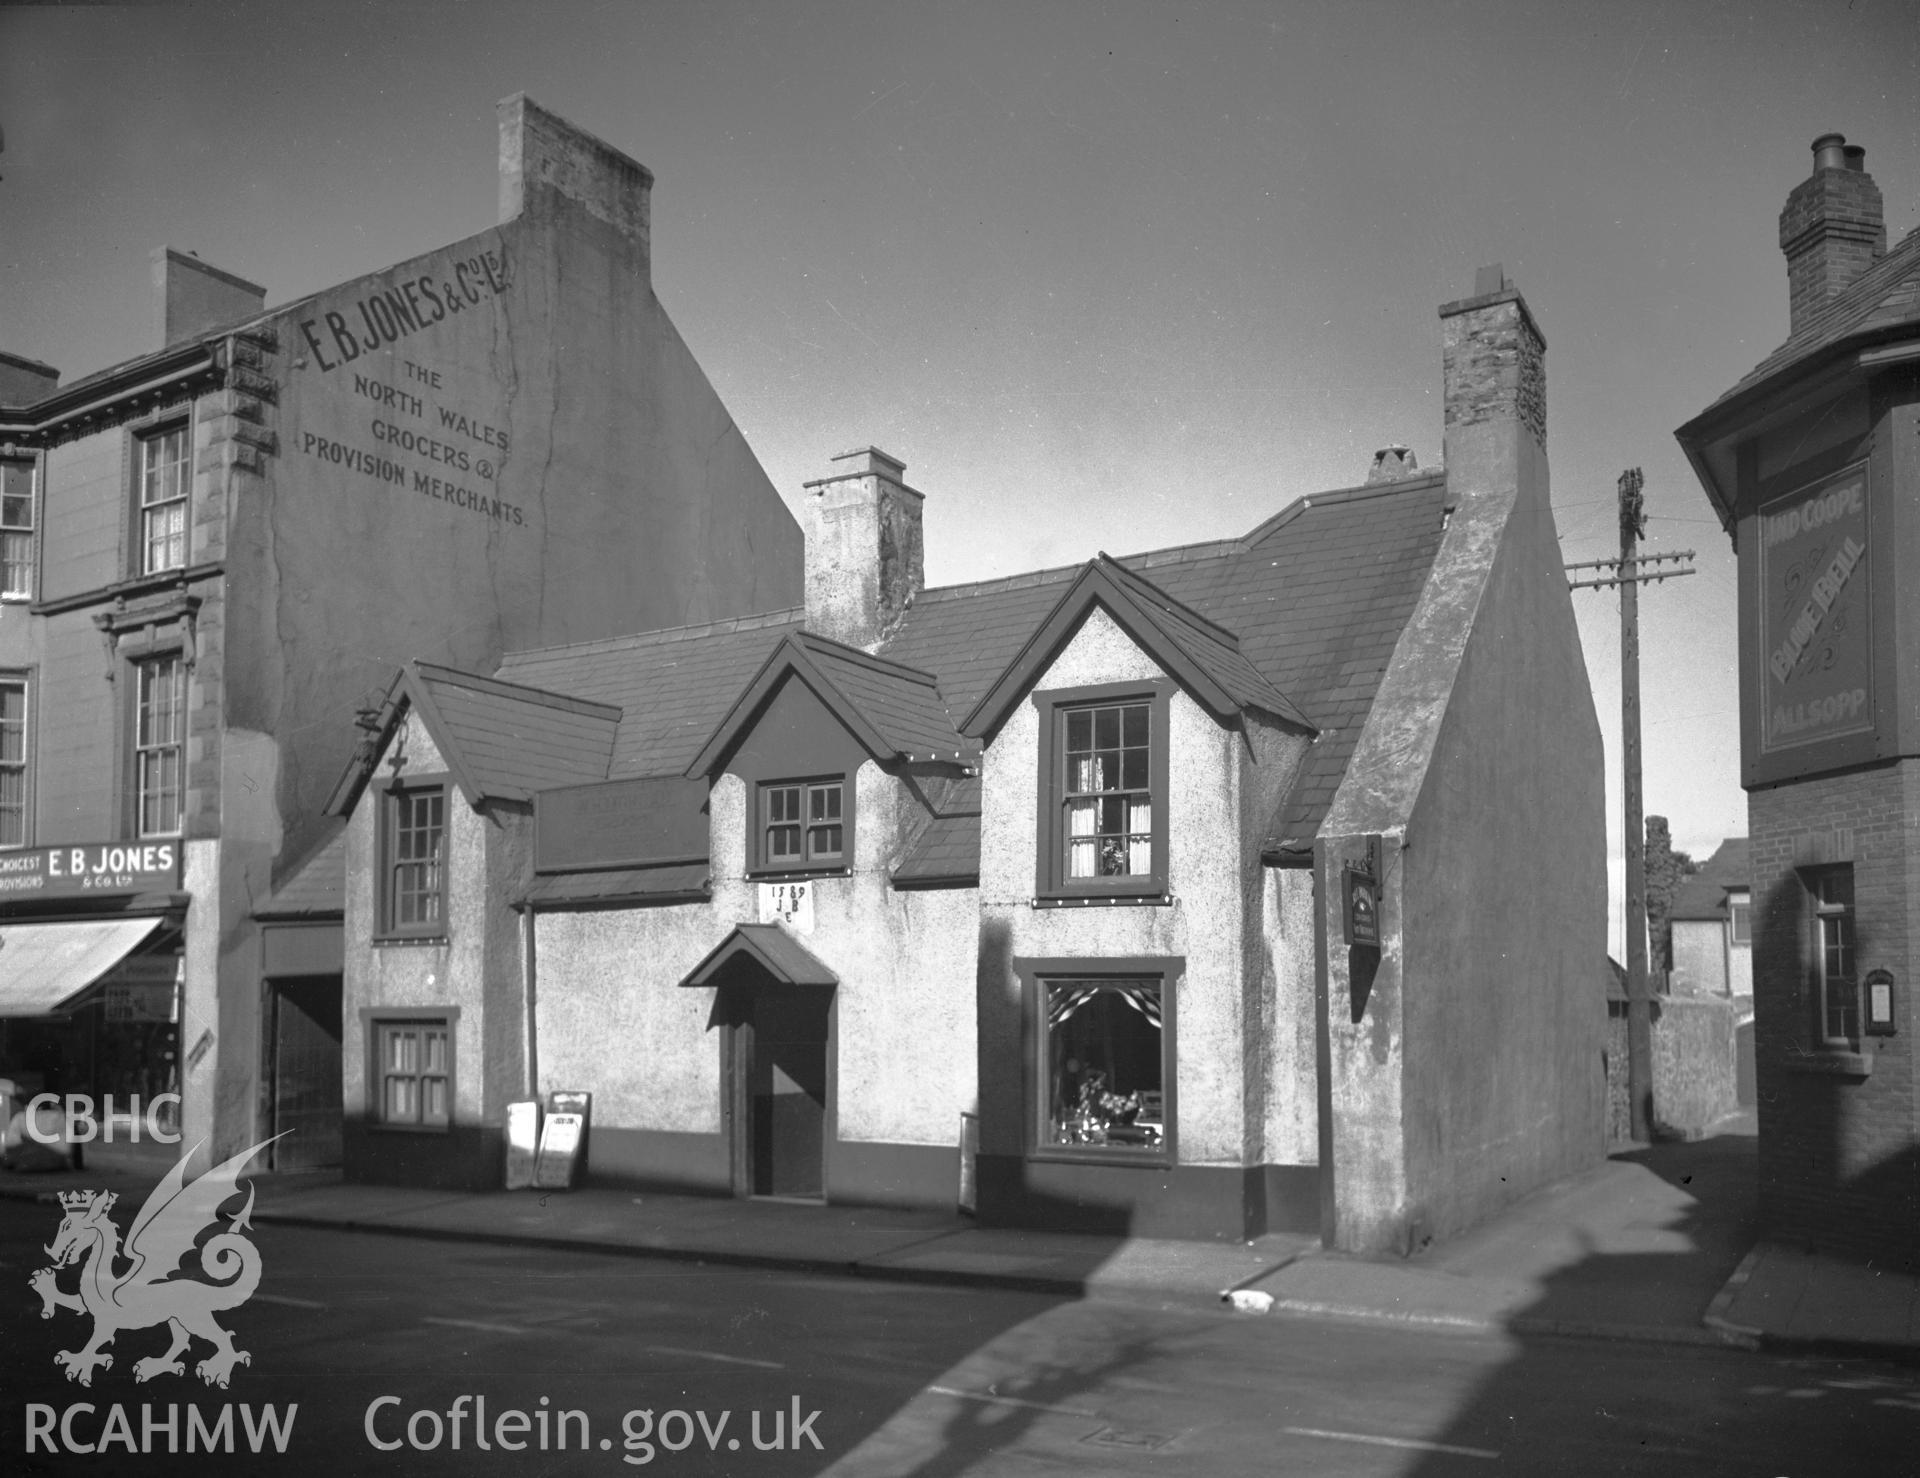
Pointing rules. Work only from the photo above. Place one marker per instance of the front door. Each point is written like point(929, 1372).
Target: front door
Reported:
point(780, 1090)
point(306, 1072)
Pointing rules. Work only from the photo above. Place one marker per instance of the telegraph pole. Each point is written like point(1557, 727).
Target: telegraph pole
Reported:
point(1629, 575)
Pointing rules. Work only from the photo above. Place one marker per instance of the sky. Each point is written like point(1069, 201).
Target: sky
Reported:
point(1104, 276)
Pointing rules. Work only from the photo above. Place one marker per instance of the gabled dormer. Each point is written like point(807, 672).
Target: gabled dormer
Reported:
point(798, 735)
point(1114, 672)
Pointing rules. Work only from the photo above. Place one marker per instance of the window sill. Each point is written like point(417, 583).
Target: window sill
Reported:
point(1102, 900)
point(1832, 1062)
point(438, 1130)
point(381, 940)
point(1087, 1154)
point(802, 875)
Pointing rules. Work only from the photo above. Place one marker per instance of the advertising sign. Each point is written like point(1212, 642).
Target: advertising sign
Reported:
point(91, 870)
point(1815, 614)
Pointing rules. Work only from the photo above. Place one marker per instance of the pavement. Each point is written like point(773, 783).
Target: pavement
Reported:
point(1657, 1243)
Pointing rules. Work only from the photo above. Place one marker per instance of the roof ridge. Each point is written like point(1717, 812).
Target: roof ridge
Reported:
point(503, 687)
point(660, 636)
point(1426, 477)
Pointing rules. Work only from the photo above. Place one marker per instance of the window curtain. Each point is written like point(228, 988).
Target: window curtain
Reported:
point(1064, 1000)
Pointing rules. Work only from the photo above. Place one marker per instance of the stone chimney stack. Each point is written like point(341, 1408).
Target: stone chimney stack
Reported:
point(541, 152)
point(191, 298)
point(1833, 228)
point(865, 560)
point(1493, 361)
point(23, 381)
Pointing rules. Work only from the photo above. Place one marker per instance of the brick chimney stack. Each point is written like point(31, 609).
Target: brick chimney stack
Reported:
point(865, 561)
point(1832, 229)
point(23, 381)
point(191, 298)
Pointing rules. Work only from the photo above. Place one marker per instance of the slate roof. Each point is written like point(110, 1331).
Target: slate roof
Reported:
point(1317, 596)
point(1201, 653)
point(1882, 300)
point(680, 882)
point(1704, 894)
point(770, 946)
point(317, 887)
point(947, 851)
point(672, 686)
point(1315, 599)
point(896, 712)
point(510, 740)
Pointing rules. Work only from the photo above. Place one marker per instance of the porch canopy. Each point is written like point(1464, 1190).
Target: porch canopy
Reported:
point(770, 947)
point(44, 968)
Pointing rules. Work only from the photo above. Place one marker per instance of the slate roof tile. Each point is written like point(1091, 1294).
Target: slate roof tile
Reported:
point(1884, 297)
point(513, 739)
point(317, 886)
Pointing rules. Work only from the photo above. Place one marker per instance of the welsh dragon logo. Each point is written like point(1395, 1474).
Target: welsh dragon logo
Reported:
point(147, 1292)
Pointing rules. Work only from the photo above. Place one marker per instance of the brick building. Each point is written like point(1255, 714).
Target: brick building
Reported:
point(1812, 463)
point(214, 551)
point(1229, 887)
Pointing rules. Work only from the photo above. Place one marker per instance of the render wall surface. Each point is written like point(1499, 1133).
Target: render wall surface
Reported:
point(1292, 1127)
point(612, 1016)
point(1504, 895)
point(451, 973)
point(1839, 1131)
point(1700, 956)
point(1214, 922)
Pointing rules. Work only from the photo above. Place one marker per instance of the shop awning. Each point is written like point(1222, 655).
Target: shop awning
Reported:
point(770, 947)
point(44, 966)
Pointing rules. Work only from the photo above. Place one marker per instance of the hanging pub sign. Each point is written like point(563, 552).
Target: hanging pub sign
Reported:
point(1363, 908)
point(1815, 628)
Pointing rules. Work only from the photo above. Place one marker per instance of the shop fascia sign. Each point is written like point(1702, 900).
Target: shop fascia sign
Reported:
point(89, 870)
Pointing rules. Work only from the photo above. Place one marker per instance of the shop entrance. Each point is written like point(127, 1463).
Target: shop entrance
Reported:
point(779, 1090)
point(304, 1021)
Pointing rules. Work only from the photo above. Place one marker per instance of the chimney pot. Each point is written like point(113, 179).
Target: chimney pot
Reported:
point(1856, 155)
point(1829, 151)
point(1393, 463)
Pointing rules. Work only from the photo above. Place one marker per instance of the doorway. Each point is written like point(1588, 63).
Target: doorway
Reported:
point(305, 1040)
point(780, 1089)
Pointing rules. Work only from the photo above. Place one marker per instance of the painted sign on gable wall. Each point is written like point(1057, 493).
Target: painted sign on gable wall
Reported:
point(398, 385)
point(1815, 626)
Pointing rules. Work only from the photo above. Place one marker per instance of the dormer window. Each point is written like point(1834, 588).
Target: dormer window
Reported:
point(802, 825)
point(1104, 766)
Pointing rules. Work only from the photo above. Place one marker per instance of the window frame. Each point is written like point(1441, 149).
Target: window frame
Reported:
point(1036, 976)
point(147, 439)
point(375, 1022)
point(766, 861)
point(1740, 921)
point(388, 928)
point(29, 531)
point(1845, 915)
point(1052, 883)
point(139, 666)
point(24, 765)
